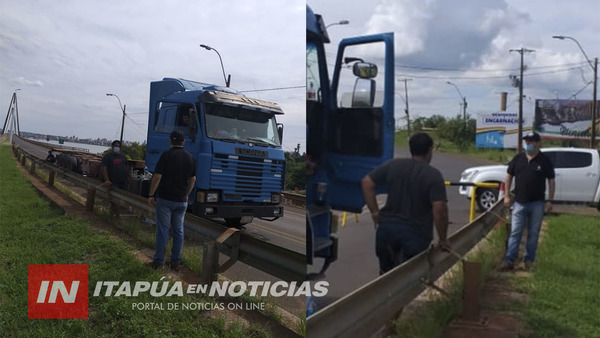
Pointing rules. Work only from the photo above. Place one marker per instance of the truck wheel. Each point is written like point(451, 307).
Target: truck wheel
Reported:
point(486, 198)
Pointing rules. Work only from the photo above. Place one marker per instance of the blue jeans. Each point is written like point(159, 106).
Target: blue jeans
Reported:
point(397, 242)
point(169, 214)
point(532, 214)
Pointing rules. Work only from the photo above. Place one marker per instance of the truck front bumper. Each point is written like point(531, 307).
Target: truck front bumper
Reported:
point(234, 211)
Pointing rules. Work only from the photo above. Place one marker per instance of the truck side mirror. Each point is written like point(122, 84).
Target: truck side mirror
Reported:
point(363, 94)
point(280, 132)
point(365, 70)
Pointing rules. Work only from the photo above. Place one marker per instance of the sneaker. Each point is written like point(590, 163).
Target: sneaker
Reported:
point(506, 266)
point(174, 266)
point(156, 265)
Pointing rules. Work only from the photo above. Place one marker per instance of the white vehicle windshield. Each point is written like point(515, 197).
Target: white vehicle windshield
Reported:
point(232, 123)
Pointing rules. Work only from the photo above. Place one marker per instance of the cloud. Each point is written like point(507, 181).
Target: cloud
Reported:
point(21, 81)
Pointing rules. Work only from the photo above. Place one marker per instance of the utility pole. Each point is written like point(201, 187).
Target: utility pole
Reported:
point(406, 101)
point(520, 115)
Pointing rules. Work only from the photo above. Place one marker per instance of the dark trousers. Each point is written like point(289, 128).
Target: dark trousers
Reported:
point(397, 242)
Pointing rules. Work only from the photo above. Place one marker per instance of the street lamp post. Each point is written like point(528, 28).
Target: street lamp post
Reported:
point(594, 66)
point(341, 22)
point(123, 121)
point(464, 99)
point(228, 78)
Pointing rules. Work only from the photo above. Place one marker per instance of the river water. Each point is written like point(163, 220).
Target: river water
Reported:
point(92, 148)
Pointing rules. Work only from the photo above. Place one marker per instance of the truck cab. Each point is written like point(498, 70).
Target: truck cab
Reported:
point(350, 127)
point(236, 144)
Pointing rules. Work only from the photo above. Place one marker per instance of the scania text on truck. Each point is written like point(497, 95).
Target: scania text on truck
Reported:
point(235, 141)
point(350, 127)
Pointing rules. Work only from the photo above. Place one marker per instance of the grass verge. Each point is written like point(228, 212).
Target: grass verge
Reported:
point(566, 283)
point(32, 231)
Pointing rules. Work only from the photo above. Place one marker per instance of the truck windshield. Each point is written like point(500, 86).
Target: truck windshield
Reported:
point(225, 122)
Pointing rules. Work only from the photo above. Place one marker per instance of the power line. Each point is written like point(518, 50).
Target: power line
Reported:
point(486, 70)
point(482, 77)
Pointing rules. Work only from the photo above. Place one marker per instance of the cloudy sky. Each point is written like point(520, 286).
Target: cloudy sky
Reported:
point(66, 55)
point(467, 42)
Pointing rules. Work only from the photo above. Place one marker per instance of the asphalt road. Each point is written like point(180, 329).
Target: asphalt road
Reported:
point(357, 263)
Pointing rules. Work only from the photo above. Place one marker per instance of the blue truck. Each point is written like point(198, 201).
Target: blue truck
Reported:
point(235, 141)
point(350, 128)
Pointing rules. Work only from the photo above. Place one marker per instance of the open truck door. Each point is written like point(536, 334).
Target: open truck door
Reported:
point(361, 123)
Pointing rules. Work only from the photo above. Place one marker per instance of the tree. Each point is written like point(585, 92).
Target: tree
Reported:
point(295, 176)
point(458, 132)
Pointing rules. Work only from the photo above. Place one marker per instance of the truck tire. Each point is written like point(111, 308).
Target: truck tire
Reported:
point(486, 198)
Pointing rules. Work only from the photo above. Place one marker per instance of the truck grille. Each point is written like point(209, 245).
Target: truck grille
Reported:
point(244, 178)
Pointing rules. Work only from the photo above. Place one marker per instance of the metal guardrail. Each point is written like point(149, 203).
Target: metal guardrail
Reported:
point(274, 260)
point(369, 308)
point(294, 199)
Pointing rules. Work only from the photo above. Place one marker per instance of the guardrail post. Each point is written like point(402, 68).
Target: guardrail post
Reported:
point(471, 291)
point(91, 197)
point(51, 177)
point(32, 168)
point(210, 259)
point(210, 262)
point(22, 159)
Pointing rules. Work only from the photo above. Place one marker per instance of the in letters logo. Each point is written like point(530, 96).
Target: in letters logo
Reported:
point(58, 291)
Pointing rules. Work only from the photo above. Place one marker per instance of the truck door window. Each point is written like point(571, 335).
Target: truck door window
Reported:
point(355, 92)
point(358, 121)
point(166, 117)
point(313, 81)
point(175, 116)
point(315, 120)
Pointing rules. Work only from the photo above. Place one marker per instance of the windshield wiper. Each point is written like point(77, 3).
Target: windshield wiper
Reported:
point(260, 140)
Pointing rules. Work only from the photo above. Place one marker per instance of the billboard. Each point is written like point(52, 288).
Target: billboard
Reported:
point(499, 130)
point(564, 119)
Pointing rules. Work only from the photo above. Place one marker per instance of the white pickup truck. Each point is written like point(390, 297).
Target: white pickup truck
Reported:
point(577, 177)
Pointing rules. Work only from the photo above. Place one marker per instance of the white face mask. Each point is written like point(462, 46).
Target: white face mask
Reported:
point(117, 149)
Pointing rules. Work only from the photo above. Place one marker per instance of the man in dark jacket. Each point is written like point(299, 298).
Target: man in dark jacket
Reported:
point(115, 171)
point(114, 168)
point(172, 182)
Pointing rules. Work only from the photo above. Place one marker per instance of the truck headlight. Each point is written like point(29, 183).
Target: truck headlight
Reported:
point(212, 197)
point(207, 196)
point(276, 198)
